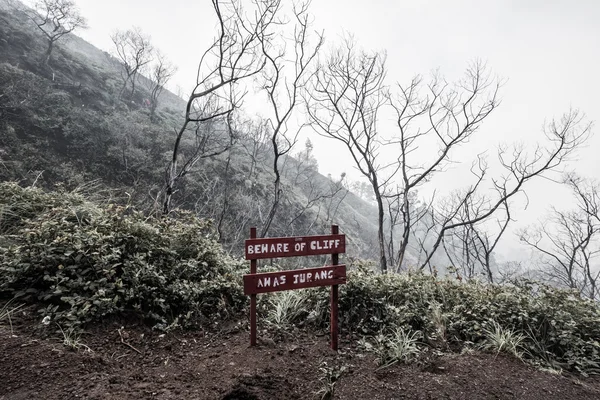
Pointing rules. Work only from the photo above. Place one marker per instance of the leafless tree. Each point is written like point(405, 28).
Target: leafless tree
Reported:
point(305, 165)
point(347, 93)
point(395, 205)
point(254, 142)
point(337, 193)
point(423, 234)
point(284, 78)
point(470, 247)
point(317, 197)
point(450, 115)
point(160, 74)
point(569, 241)
point(134, 50)
point(564, 137)
point(55, 19)
point(486, 242)
point(233, 57)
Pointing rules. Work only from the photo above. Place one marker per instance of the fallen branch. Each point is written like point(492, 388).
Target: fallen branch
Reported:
point(127, 344)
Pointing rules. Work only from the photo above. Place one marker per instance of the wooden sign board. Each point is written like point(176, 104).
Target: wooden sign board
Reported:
point(294, 246)
point(294, 279)
point(331, 275)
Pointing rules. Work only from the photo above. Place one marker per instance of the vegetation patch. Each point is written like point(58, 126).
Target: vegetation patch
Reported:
point(398, 315)
point(83, 262)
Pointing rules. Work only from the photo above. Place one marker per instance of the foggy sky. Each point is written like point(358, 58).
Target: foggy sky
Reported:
point(549, 52)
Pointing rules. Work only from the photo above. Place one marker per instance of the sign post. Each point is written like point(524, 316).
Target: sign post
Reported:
point(329, 275)
point(334, 300)
point(253, 263)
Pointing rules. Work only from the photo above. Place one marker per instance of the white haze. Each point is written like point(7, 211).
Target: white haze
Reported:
point(547, 51)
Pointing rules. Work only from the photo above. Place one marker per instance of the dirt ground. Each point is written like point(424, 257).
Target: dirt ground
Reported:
point(136, 363)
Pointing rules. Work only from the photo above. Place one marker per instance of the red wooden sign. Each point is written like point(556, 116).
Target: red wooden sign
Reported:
point(331, 275)
point(294, 279)
point(294, 246)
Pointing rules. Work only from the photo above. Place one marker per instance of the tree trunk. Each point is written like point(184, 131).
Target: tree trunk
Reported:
point(380, 219)
point(406, 232)
point(48, 52)
point(133, 84)
point(273, 211)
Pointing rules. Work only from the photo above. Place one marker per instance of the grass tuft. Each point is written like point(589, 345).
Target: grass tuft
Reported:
point(499, 339)
point(286, 308)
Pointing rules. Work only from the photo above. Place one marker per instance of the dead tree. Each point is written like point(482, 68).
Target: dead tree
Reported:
point(283, 88)
point(470, 247)
point(564, 137)
point(486, 243)
point(395, 206)
point(134, 50)
point(234, 56)
point(254, 143)
point(320, 196)
point(55, 19)
point(346, 95)
point(448, 114)
point(569, 241)
point(160, 74)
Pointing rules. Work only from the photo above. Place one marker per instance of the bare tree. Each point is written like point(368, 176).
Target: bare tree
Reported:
point(134, 49)
point(346, 96)
point(254, 142)
point(305, 165)
point(160, 74)
point(569, 241)
point(283, 88)
point(449, 114)
point(396, 220)
point(470, 247)
point(234, 56)
point(55, 19)
point(317, 198)
point(564, 137)
point(486, 243)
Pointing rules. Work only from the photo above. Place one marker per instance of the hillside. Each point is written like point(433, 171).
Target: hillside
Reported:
point(64, 124)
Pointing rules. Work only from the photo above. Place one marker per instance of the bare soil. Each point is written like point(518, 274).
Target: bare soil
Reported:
point(137, 363)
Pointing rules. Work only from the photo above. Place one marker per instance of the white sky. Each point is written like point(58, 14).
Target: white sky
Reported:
point(549, 50)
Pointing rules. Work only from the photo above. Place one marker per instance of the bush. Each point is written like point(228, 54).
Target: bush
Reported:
point(83, 262)
point(554, 327)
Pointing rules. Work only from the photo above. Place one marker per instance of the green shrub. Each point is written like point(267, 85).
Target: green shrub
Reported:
point(83, 262)
point(554, 327)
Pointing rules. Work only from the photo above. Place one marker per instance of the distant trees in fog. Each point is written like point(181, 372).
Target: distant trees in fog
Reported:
point(134, 50)
point(54, 18)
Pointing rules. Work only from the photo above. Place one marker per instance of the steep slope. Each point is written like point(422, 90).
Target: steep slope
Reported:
point(64, 123)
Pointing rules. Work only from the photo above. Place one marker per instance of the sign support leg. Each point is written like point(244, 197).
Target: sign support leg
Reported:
point(334, 300)
point(253, 298)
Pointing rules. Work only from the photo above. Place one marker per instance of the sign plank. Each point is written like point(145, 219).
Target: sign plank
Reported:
point(294, 246)
point(294, 279)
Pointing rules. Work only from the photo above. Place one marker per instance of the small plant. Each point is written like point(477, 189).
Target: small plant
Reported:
point(328, 379)
point(539, 349)
point(286, 307)
point(401, 346)
point(71, 339)
point(376, 347)
point(438, 322)
point(499, 339)
point(6, 311)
